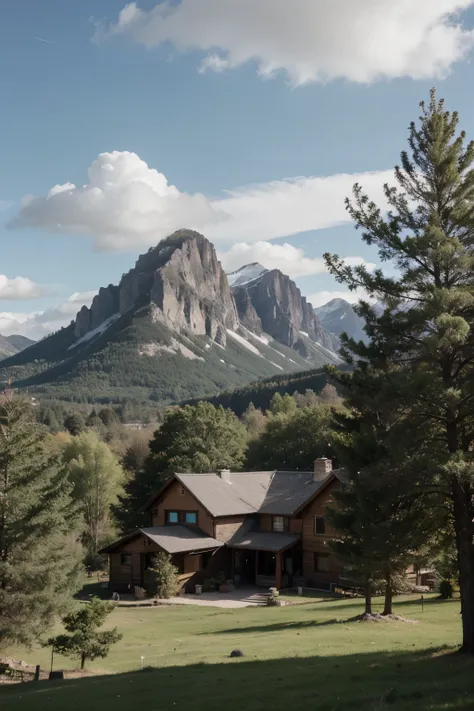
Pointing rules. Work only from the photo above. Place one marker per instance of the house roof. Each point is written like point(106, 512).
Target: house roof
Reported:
point(238, 493)
point(264, 541)
point(172, 539)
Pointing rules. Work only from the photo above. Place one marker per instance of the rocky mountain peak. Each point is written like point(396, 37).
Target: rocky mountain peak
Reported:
point(246, 274)
point(183, 281)
point(272, 303)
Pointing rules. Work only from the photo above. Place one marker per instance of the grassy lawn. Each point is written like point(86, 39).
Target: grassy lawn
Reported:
point(295, 657)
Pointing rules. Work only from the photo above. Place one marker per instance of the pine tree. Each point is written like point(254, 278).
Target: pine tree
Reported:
point(39, 555)
point(420, 358)
point(84, 639)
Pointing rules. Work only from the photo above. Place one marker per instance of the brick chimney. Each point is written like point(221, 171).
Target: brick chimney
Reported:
point(224, 474)
point(322, 468)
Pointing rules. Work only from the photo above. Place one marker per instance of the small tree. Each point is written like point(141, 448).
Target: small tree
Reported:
point(163, 577)
point(74, 423)
point(84, 639)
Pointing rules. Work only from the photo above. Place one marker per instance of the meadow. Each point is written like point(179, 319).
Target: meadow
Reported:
point(294, 657)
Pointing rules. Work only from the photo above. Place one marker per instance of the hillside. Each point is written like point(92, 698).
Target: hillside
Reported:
point(261, 392)
point(169, 331)
point(10, 345)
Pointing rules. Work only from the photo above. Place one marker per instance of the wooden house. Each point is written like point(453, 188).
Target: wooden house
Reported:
point(258, 528)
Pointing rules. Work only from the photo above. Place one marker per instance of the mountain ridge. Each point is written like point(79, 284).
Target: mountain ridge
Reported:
point(171, 330)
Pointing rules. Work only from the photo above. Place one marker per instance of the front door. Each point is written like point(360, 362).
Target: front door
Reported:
point(244, 567)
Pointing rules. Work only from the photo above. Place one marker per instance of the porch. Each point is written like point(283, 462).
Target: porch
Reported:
point(266, 559)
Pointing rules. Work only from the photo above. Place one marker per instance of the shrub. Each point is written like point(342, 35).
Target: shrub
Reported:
point(209, 585)
point(446, 589)
point(162, 577)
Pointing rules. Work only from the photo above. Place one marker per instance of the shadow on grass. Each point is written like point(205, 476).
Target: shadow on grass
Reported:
point(277, 627)
point(423, 681)
point(92, 588)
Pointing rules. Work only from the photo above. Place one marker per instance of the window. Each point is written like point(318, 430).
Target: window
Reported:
point(125, 559)
point(187, 517)
point(279, 523)
point(319, 526)
point(321, 562)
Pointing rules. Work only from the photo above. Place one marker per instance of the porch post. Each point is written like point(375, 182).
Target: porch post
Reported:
point(278, 571)
point(256, 566)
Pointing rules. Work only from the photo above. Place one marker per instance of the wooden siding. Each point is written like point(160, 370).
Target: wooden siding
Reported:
point(176, 498)
point(124, 576)
point(313, 543)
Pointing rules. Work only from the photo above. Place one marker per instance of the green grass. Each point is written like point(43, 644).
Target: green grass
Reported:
point(301, 656)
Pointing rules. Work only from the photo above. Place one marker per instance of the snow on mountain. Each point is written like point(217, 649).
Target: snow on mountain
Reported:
point(246, 274)
point(338, 316)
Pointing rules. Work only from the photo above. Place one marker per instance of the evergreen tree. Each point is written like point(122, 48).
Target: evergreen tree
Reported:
point(108, 416)
point(74, 423)
point(97, 480)
point(421, 350)
point(84, 639)
point(39, 556)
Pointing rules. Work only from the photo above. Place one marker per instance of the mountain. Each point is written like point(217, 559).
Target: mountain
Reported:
point(245, 274)
point(268, 301)
point(9, 345)
point(171, 330)
point(338, 316)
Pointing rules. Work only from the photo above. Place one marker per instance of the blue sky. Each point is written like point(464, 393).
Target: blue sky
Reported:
point(261, 114)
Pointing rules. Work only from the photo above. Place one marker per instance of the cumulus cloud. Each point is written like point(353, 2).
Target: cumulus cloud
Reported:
point(289, 259)
point(19, 288)
point(124, 204)
point(308, 40)
point(37, 324)
point(128, 205)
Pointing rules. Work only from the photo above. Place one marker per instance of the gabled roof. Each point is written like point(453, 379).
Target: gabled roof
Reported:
point(172, 539)
point(239, 493)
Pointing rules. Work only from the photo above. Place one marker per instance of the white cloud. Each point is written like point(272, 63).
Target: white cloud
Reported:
point(124, 204)
point(19, 288)
point(309, 40)
point(128, 205)
point(37, 324)
point(289, 259)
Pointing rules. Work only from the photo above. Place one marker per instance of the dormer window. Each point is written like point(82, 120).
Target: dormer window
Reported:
point(279, 523)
